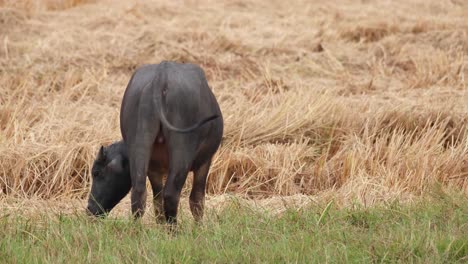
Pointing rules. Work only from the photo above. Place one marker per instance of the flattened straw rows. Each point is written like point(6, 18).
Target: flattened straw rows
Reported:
point(263, 169)
point(46, 172)
point(334, 100)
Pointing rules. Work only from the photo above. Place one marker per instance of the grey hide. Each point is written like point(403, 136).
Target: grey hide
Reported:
point(171, 124)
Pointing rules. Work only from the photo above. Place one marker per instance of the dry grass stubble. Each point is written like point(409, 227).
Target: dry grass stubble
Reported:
point(365, 101)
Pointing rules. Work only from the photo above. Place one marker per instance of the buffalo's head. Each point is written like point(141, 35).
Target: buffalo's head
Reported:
point(111, 179)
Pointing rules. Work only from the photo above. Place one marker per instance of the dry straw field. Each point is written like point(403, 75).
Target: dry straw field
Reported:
point(359, 100)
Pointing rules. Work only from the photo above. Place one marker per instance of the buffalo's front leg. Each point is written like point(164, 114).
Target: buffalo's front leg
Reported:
point(172, 190)
point(180, 158)
point(155, 176)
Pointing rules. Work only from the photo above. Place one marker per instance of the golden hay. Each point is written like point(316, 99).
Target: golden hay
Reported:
point(362, 100)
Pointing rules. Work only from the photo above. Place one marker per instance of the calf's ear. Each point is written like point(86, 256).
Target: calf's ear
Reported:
point(102, 154)
point(116, 164)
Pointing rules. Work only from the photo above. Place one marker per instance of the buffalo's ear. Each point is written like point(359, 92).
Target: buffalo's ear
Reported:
point(102, 154)
point(116, 164)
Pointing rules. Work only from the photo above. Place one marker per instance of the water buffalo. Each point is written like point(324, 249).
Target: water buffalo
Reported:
point(171, 124)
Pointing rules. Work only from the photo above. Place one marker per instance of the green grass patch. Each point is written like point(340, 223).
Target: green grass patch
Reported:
point(431, 231)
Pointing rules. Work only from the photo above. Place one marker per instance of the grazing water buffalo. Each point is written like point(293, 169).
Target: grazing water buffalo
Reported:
point(171, 124)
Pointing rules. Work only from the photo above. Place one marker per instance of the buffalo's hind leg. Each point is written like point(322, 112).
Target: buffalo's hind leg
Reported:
point(140, 149)
point(139, 167)
point(197, 195)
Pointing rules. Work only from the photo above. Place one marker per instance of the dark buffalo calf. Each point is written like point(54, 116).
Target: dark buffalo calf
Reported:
point(171, 124)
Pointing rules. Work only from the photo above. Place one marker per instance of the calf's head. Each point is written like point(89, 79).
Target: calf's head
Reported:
point(110, 179)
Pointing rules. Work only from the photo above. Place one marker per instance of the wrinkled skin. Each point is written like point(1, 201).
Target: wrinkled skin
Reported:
point(111, 179)
point(171, 124)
